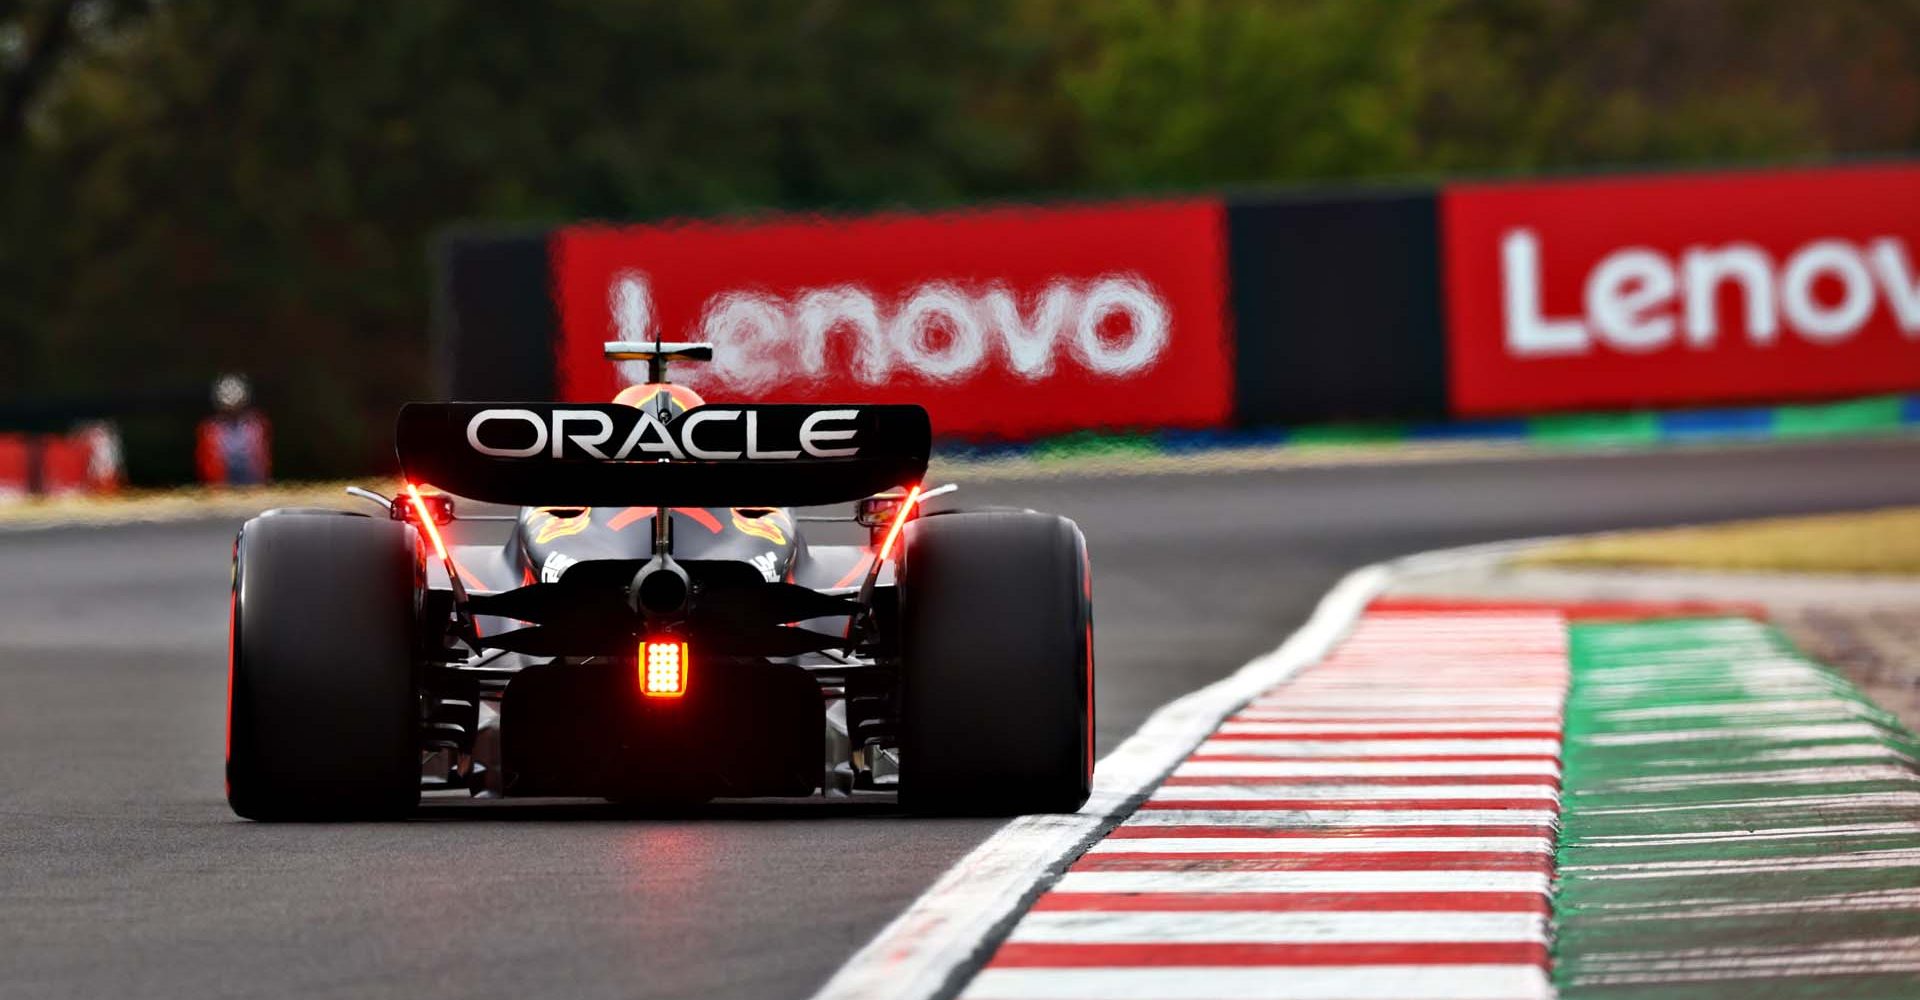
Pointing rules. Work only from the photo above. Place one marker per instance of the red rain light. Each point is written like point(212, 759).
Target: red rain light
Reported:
point(899, 521)
point(663, 668)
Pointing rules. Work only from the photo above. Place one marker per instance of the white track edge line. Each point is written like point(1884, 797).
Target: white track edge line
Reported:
point(917, 955)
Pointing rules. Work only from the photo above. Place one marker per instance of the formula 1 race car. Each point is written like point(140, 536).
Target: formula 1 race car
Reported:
point(656, 627)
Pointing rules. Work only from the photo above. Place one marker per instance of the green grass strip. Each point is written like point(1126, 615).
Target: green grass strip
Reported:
point(1854, 416)
point(1595, 428)
point(1093, 443)
point(1737, 821)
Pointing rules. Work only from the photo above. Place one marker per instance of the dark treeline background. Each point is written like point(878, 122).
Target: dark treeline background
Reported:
point(189, 186)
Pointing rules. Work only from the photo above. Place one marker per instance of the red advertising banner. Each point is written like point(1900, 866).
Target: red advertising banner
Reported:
point(1681, 290)
point(1010, 322)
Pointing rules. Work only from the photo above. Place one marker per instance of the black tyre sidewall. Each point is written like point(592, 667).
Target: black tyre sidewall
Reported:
point(997, 664)
point(323, 715)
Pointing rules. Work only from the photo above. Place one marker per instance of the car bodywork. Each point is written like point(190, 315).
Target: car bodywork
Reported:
point(534, 648)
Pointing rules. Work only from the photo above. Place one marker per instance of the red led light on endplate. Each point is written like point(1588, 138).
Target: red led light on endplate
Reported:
point(426, 521)
point(899, 521)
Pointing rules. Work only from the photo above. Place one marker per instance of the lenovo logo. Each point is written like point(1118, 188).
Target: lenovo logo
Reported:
point(705, 433)
point(1639, 300)
point(1113, 325)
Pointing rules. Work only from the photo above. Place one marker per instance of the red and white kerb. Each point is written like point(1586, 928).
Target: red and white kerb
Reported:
point(1380, 826)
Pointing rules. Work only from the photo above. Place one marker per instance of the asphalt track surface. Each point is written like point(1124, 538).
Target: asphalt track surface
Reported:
point(123, 874)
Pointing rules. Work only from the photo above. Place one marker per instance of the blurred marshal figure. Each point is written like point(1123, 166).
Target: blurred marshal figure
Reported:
point(234, 443)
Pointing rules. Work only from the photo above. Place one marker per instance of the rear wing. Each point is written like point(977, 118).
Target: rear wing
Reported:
point(718, 455)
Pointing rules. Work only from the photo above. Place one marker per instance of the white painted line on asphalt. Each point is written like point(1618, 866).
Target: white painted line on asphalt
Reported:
point(918, 954)
point(1241, 726)
point(1490, 718)
point(1411, 881)
point(1342, 749)
point(1364, 769)
point(1370, 982)
point(1852, 802)
point(1899, 857)
point(1284, 818)
point(1816, 752)
point(1718, 908)
point(1393, 703)
point(1748, 836)
point(1800, 708)
point(1772, 776)
point(1293, 927)
point(1351, 793)
point(1767, 734)
point(1323, 845)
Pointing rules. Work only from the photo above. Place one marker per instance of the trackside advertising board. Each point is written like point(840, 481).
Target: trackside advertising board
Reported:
point(1681, 290)
point(1010, 322)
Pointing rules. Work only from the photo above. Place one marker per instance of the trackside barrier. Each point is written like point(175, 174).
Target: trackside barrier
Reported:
point(1486, 301)
point(84, 461)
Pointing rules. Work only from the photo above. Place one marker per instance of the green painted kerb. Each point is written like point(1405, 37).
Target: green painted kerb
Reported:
point(1851, 417)
point(1738, 821)
point(1092, 444)
point(1595, 428)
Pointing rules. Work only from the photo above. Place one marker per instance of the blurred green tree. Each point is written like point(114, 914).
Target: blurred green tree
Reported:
point(1185, 92)
point(253, 186)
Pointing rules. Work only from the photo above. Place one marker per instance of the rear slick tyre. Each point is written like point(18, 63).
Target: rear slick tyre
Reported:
point(996, 613)
point(322, 717)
